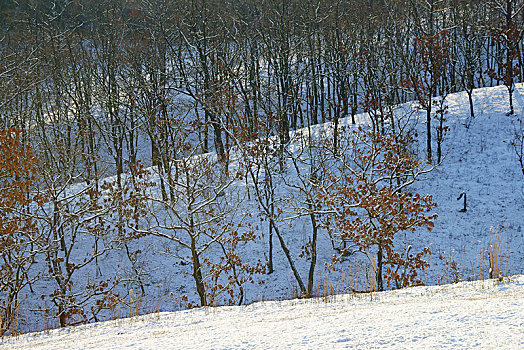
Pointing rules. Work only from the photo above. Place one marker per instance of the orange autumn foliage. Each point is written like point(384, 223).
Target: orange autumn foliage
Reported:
point(371, 207)
point(17, 230)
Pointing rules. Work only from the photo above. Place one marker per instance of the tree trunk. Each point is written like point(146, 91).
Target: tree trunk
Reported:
point(428, 131)
point(510, 92)
point(197, 273)
point(380, 283)
point(313, 263)
point(270, 268)
point(290, 260)
point(471, 106)
point(62, 317)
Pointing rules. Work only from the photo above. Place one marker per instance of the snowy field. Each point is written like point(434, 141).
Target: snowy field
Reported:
point(469, 315)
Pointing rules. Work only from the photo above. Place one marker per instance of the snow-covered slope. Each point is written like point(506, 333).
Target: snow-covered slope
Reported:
point(470, 315)
point(479, 161)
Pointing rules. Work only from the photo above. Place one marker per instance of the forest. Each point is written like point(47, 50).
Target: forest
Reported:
point(207, 126)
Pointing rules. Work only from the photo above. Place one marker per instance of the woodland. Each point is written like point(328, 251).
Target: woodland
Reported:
point(122, 121)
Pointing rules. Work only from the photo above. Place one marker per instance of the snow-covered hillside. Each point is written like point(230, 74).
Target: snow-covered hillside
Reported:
point(478, 161)
point(470, 315)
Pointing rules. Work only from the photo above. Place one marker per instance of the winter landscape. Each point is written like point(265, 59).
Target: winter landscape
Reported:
point(251, 175)
point(467, 315)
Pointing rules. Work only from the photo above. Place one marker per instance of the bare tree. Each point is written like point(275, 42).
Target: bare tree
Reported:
point(508, 34)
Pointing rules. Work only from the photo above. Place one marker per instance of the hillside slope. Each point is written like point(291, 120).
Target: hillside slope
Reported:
point(481, 162)
point(478, 161)
point(468, 315)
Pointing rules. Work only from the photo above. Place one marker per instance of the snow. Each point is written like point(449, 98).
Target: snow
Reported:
point(468, 315)
point(479, 161)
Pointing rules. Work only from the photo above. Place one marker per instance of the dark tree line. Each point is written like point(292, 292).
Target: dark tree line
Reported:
point(126, 72)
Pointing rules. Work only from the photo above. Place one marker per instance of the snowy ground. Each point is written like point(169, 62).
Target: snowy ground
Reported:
point(479, 161)
point(483, 315)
